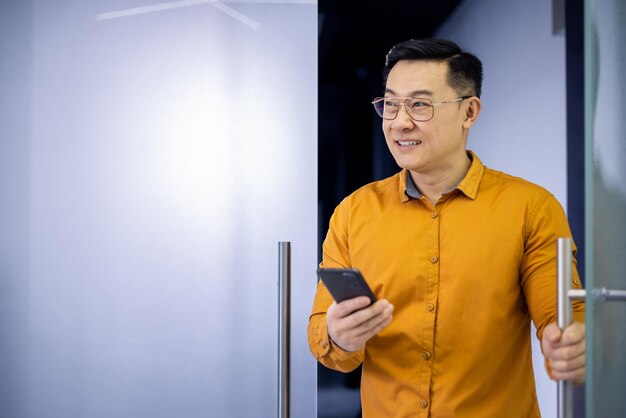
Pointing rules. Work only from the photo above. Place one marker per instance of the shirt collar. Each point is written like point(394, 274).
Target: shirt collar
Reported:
point(411, 191)
point(468, 186)
point(470, 183)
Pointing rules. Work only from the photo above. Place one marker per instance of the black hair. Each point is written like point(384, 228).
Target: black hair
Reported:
point(465, 71)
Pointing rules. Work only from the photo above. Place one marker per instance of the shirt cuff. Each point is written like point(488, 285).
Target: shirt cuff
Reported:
point(323, 346)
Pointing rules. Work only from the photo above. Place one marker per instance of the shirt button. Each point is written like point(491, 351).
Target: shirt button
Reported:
point(430, 307)
point(433, 215)
point(424, 403)
point(433, 259)
point(427, 355)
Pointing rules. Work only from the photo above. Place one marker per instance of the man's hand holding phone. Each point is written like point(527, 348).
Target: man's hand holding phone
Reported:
point(353, 322)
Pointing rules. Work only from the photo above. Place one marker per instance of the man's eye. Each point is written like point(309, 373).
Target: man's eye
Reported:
point(418, 104)
point(390, 103)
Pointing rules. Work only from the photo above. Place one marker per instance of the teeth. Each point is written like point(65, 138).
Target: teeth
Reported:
point(409, 143)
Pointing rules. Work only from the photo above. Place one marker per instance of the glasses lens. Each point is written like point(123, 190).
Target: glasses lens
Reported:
point(386, 108)
point(379, 106)
point(420, 109)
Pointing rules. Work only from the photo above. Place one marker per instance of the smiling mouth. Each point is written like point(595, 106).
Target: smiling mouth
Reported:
point(408, 143)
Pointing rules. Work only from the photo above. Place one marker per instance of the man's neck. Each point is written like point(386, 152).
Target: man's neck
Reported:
point(434, 185)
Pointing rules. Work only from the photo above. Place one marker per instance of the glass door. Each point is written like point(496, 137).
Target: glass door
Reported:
point(605, 189)
point(152, 155)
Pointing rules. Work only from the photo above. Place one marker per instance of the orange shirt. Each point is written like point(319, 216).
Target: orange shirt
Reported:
point(465, 276)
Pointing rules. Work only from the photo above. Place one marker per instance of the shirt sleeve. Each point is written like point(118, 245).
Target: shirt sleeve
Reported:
point(335, 255)
point(546, 223)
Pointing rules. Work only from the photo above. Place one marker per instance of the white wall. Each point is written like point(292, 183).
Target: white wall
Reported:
point(522, 127)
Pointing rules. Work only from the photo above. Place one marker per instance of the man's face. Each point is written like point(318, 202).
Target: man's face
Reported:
point(432, 146)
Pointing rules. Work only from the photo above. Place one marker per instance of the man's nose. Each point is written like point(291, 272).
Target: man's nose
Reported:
point(402, 120)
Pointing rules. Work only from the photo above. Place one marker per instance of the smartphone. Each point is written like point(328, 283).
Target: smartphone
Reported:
point(345, 284)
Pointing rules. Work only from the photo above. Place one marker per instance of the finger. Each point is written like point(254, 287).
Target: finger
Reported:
point(376, 328)
point(349, 306)
point(354, 342)
point(367, 328)
point(573, 334)
point(353, 338)
point(567, 352)
point(375, 323)
point(568, 365)
point(577, 375)
point(362, 319)
point(354, 323)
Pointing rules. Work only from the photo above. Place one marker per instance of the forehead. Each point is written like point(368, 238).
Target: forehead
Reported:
point(409, 76)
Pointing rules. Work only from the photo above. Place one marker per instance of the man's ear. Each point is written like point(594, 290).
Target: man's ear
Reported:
point(471, 111)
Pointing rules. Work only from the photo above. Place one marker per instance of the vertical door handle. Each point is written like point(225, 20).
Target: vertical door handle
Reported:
point(565, 389)
point(284, 312)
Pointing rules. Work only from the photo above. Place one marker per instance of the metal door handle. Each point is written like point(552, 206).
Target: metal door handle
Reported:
point(604, 295)
point(284, 304)
point(601, 295)
point(565, 389)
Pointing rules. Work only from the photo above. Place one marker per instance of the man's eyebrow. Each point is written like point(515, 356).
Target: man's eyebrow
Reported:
point(415, 93)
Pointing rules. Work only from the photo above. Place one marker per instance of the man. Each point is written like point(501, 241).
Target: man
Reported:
point(460, 257)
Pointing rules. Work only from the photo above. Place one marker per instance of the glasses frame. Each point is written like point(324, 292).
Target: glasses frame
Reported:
point(406, 108)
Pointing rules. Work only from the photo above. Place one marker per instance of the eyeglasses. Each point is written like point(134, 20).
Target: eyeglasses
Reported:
point(420, 110)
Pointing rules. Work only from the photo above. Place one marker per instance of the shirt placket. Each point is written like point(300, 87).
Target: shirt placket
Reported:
point(432, 292)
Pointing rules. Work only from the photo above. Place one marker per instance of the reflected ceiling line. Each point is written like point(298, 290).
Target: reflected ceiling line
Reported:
point(272, 1)
point(177, 5)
